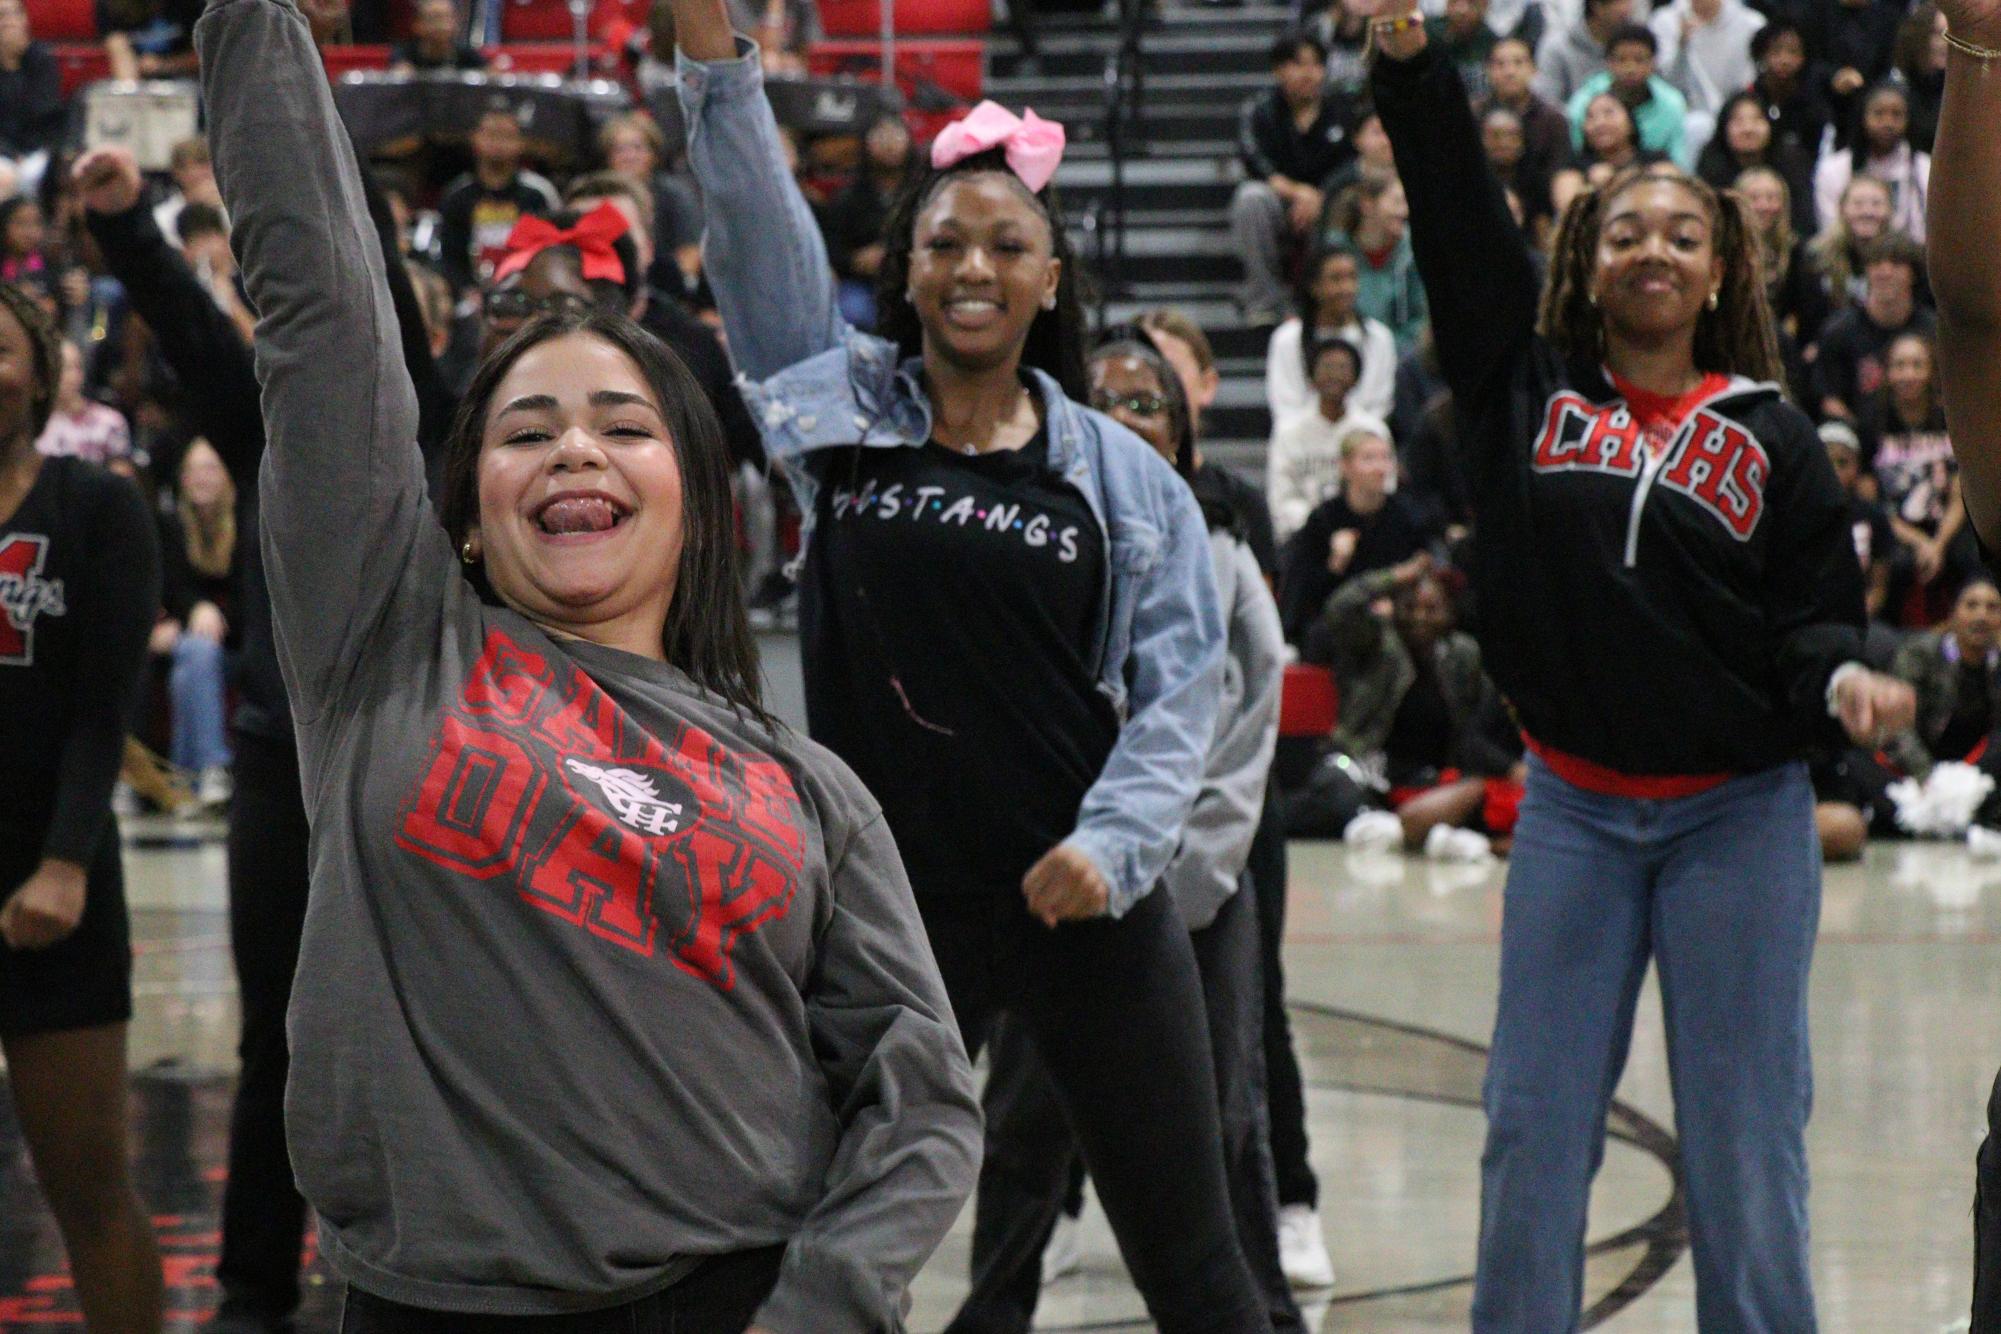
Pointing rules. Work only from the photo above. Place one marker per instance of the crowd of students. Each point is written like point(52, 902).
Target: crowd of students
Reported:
point(1819, 118)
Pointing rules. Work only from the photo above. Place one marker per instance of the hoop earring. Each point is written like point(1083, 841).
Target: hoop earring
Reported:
point(467, 556)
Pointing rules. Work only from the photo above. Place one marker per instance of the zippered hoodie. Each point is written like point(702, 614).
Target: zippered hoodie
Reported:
point(1666, 614)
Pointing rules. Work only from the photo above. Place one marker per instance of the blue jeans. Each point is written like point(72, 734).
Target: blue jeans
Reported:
point(1723, 890)
point(196, 685)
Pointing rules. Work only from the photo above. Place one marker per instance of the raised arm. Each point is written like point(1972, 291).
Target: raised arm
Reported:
point(765, 258)
point(901, 1085)
point(1965, 264)
point(1477, 275)
point(343, 502)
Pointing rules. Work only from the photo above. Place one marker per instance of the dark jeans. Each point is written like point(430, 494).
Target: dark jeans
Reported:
point(718, 1298)
point(1987, 1223)
point(1030, 1150)
point(1285, 1092)
point(1115, 1008)
point(263, 1217)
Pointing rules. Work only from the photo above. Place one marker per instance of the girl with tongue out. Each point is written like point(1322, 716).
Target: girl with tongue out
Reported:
point(1010, 628)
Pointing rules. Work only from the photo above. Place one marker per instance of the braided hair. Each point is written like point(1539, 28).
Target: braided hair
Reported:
point(48, 354)
point(1056, 339)
point(1736, 338)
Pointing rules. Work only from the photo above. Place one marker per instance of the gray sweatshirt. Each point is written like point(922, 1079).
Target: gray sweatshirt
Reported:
point(1565, 62)
point(598, 977)
point(1216, 841)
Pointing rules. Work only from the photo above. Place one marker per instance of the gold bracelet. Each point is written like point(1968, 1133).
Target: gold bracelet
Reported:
point(1983, 54)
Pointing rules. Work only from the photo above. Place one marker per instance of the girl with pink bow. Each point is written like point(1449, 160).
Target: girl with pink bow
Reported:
point(1010, 630)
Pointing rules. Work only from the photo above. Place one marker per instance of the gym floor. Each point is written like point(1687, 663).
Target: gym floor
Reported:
point(1391, 967)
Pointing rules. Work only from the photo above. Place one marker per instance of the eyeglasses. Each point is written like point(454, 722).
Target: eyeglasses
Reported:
point(1139, 405)
point(514, 304)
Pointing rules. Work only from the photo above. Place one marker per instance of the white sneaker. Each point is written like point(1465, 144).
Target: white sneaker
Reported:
point(214, 787)
point(1302, 1248)
point(1064, 1255)
point(1374, 829)
point(1983, 844)
point(1447, 844)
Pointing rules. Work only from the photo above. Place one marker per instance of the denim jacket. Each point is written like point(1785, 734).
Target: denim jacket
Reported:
point(813, 382)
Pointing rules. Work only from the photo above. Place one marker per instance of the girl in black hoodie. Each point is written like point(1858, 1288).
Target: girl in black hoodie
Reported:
point(1670, 599)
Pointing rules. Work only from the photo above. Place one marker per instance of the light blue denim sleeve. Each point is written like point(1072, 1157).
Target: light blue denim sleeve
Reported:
point(1131, 819)
point(761, 248)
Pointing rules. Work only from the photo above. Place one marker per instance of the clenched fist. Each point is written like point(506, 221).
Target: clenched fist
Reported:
point(1065, 886)
point(45, 908)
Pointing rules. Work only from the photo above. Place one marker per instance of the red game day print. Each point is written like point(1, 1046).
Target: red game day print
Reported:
point(538, 778)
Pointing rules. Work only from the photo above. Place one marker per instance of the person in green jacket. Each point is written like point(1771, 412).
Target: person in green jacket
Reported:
point(1658, 109)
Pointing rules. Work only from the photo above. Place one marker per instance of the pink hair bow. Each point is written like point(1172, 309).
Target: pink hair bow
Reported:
point(1034, 145)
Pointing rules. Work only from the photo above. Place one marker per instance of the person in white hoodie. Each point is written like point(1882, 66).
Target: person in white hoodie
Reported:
point(1326, 300)
point(1706, 54)
point(1303, 464)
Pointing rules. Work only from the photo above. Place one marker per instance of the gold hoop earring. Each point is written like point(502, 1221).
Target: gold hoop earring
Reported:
point(467, 556)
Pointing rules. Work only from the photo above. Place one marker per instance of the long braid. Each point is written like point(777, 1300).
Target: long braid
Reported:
point(1737, 338)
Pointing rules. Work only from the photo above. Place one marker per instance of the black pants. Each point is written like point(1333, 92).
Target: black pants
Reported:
point(1987, 1223)
point(263, 1217)
point(1031, 1151)
point(1285, 1091)
point(1115, 1009)
point(718, 1298)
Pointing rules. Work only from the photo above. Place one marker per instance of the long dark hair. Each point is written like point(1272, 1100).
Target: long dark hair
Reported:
point(1737, 338)
point(48, 354)
point(1055, 343)
point(706, 635)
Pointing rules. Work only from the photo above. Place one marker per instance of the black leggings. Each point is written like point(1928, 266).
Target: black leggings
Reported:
point(263, 1217)
point(1115, 1007)
point(721, 1297)
point(1285, 1092)
point(1030, 1149)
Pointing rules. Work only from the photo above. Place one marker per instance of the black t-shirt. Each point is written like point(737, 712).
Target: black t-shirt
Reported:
point(1391, 535)
point(474, 224)
point(79, 587)
point(951, 615)
point(1875, 540)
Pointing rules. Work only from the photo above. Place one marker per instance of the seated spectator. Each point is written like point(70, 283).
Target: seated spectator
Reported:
point(480, 208)
point(1792, 283)
point(79, 426)
point(1875, 540)
point(1304, 463)
point(23, 241)
point(1853, 341)
point(1418, 708)
point(634, 145)
point(193, 173)
point(1374, 157)
point(1659, 112)
point(1372, 219)
point(1855, 39)
point(1545, 129)
point(33, 116)
point(1956, 671)
point(1881, 151)
point(1862, 218)
point(1569, 57)
point(1342, 29)
point(1292, 137)
point(1611, 145)
point(1325, 302)
point(1366, 526)
point(854, 217)
point(1462, 36)
point(201, 565)
point(1744, 140)
point(204, 238)
point(1904, 437)
point(1505, 143)
point(1705, 52)
point(663, 315)
point(1790, 88)
point(150, 39)
point(436, 42)
point(1920, 71)
point(782, 29)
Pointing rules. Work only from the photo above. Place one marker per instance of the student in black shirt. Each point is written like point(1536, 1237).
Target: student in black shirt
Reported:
point(1292, 138)
point(1365, 526)
point(1854, 342)
point(32, 111)
point(480, 208)
point(434, 42)
point(79, 585)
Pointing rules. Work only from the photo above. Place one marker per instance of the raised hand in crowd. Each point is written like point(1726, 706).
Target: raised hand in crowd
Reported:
point(109, 180)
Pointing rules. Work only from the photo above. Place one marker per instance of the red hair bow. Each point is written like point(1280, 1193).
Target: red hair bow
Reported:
point(593, 236)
